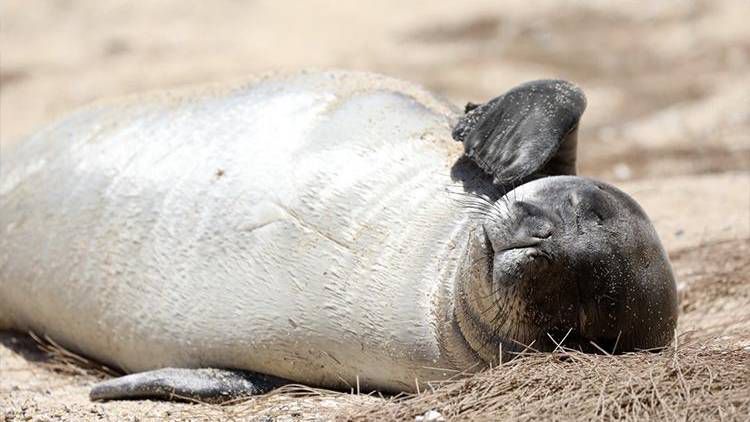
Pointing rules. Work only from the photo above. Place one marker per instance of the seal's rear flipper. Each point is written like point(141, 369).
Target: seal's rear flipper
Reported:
point(205, 385)
point(529, 132)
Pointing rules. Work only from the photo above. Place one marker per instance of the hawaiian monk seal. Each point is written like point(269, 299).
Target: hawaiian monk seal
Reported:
point(321, 228)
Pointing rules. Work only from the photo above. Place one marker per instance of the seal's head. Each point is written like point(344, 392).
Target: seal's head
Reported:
point(569, 259)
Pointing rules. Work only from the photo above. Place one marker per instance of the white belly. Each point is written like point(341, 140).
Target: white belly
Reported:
point(299, 227)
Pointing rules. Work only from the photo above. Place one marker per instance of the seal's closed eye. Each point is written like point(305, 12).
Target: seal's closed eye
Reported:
point(529, 132)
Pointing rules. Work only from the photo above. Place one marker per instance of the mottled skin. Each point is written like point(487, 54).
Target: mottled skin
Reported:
point(320, 228)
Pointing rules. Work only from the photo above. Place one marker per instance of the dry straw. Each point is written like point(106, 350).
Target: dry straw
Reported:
point(692, 381)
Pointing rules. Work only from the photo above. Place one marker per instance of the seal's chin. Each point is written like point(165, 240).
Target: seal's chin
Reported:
point(531, 299)
point(514, 300)
point(492, 307)
point(547, 310)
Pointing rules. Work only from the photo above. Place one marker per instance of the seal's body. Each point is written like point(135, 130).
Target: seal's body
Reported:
point(322, 228)
point(287, 221)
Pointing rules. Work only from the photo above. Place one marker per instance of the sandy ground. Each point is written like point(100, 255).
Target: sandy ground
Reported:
point(668, 119)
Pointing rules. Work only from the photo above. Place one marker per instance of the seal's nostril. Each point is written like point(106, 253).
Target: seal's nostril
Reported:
point(546, 233)
point(543, 232)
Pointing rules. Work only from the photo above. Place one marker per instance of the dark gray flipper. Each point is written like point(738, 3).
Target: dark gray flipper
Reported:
point(529, 132)
point(206, 385)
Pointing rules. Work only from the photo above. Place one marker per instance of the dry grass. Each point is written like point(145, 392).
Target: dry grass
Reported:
point(62, 360)
point(695, 380)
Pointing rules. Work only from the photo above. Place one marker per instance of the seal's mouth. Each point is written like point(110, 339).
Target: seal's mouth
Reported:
point(517, 254)
point(522, 278)
point(522, 243)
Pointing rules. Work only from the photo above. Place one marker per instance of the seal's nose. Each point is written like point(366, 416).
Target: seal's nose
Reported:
point(534, 221)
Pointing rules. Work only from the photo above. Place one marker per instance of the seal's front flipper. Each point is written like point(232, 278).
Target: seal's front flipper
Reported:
point(529, 132)
point(205, 385)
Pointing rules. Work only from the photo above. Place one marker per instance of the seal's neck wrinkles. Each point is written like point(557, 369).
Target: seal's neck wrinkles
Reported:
point(494, 323)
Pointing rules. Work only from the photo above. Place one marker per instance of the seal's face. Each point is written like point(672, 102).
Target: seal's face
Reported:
point(566, 259)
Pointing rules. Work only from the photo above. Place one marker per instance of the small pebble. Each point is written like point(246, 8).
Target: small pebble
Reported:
point(430, 416)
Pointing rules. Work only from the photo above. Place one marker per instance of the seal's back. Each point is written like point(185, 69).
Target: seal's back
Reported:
point(197, 229)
